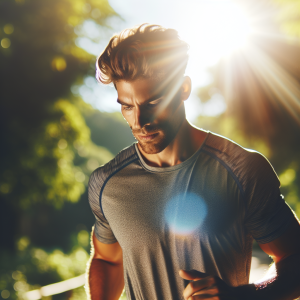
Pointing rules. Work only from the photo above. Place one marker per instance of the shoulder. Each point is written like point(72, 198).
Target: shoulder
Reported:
point(100, 176)
point(122, 159)
point(245, 164)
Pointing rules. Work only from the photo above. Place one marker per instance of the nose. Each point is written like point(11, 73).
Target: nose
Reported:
point(141, 117)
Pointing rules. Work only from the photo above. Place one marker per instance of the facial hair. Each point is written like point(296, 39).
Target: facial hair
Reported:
point(166, 133)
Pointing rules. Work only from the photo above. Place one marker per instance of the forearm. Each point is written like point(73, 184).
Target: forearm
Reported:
point(105, 280)
point(283, 285)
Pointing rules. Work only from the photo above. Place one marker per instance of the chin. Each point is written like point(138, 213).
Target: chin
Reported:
point(153, 148)
point(150, 149)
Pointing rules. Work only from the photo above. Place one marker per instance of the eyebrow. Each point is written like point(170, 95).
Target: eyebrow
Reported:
point(121, 102)
point(156, 97)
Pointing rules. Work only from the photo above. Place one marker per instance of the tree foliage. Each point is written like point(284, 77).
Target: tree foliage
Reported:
point(46, 152)
point(43, 129)
point(289, 16)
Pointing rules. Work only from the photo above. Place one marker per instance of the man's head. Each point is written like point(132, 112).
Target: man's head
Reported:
point(146, 64)
point(143, 52)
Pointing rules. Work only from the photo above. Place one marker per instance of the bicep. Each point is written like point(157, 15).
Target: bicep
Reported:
point(285, 245)
point(108, 252)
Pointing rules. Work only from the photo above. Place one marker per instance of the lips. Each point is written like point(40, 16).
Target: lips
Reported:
point(148, 137)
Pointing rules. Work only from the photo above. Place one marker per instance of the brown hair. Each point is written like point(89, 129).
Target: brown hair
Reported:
point(145, 51)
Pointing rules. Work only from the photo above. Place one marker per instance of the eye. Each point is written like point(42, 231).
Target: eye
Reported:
point(126, 107)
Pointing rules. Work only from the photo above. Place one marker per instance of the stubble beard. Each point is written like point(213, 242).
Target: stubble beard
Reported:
point(166, 134)
point(153, 147)
point(167, 131)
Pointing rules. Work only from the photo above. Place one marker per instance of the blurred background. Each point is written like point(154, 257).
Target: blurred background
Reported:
point(58, 124)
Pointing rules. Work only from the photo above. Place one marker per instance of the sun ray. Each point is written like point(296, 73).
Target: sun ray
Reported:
point(275, 80)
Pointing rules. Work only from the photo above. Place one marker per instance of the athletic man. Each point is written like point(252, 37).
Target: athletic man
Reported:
point(176, 213)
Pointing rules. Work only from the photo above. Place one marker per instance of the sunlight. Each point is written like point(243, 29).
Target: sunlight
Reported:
point(214, 29)
point(276, 81)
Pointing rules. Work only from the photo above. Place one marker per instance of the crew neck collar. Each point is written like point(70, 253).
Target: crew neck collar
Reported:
point(171, 168)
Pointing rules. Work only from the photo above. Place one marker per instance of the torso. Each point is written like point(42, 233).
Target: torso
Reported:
point(188, 216)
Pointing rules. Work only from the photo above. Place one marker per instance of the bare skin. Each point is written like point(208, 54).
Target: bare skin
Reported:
point(165, 138)
point(160, 146)
point(105, 274)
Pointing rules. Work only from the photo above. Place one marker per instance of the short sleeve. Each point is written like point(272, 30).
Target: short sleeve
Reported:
point(267, 214)
point(102, 228)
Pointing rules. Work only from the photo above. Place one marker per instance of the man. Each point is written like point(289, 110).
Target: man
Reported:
point(176, 213)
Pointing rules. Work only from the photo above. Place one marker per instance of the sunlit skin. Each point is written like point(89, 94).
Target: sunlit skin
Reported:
point(165, 138)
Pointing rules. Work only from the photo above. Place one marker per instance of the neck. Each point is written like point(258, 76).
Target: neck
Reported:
point(187, 141)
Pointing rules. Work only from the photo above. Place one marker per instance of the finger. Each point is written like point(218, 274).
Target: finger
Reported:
point(192, 274)
point(204, 296)
point(196, 286)
point(212, 293)
point(211, 290)
point(211, 297)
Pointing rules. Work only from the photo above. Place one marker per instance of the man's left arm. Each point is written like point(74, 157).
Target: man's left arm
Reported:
point(283, 284)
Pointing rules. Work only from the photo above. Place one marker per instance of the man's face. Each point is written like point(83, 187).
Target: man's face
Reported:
point(154, 115)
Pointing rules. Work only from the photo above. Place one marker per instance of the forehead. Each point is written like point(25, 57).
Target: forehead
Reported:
point(138, 90)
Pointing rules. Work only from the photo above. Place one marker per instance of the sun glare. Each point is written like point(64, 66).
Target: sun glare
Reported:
point(215, 29)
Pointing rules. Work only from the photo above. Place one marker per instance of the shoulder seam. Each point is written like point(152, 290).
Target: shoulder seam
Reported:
point(112, 174)
point(218, 150)
point(230, 171)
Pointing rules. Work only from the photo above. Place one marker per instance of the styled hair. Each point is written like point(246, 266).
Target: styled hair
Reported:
point(145, 51)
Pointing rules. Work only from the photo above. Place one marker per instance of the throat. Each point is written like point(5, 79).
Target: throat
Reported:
point(182, 147)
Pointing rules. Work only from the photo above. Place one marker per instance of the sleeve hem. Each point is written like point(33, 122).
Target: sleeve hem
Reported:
point(105, 240)
point(274, 235)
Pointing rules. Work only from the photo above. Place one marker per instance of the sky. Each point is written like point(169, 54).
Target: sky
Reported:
point(211, 28)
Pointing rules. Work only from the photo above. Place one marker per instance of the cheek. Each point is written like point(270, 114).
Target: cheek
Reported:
point(127, 117)
point(166, 116)
point(170, 109)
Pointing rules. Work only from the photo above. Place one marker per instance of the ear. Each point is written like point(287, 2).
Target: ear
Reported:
point(186, 88)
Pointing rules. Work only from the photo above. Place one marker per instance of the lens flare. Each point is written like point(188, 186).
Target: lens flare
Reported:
point(185, 213)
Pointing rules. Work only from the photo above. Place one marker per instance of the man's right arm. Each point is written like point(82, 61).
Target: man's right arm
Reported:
point(105, 272)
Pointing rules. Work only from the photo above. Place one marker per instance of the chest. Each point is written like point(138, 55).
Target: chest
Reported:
point(195, 203)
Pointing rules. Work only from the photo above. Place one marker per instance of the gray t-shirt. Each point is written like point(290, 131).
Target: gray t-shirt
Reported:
point(201, 214)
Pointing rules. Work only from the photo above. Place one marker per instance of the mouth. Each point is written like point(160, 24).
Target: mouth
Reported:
point(148, 137)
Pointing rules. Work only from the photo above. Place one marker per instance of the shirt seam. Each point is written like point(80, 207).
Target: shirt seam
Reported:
point(112, 174)
point(235, 178)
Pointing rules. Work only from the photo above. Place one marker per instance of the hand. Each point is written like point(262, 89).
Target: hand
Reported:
point(204, 286)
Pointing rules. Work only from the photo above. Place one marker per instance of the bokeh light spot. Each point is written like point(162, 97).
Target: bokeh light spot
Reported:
point(81, 255)
point(62, 144)
point(58, 64)
point(96, 13)
point(5, 43)
point(17, 275)
point(79, 176)
point(92, 164)
point(8, 29)
point(20, 286)
point(287, 177)
point(5, 188)
point(185, 213)
point(83, 238)
point(23, 243)
point(5, 294)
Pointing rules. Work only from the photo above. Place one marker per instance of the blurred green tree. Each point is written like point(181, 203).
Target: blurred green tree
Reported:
point(46, 152)
point(42, 128)
point(289, 16)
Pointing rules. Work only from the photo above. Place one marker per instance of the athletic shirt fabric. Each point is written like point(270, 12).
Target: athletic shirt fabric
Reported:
point(201, 214)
